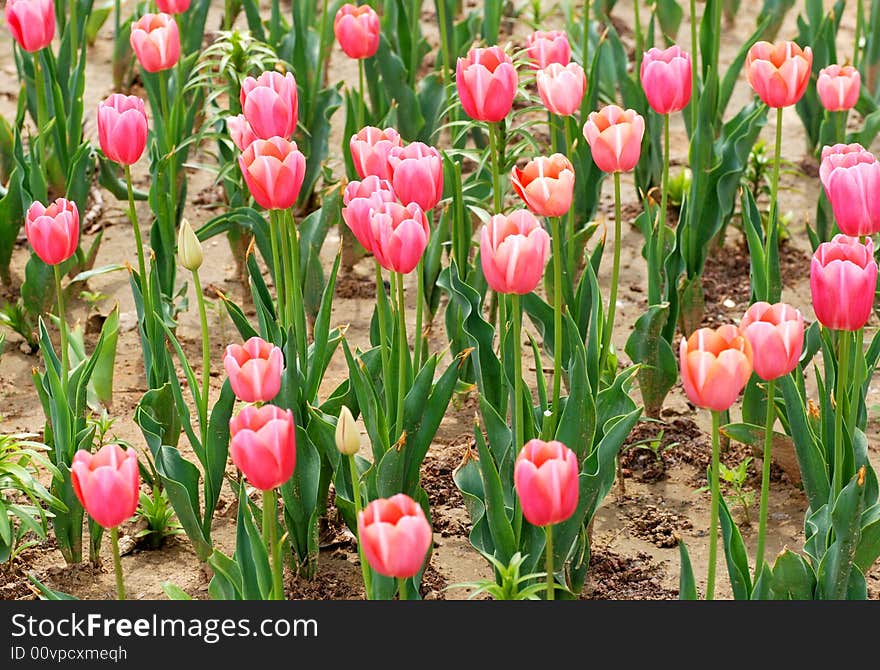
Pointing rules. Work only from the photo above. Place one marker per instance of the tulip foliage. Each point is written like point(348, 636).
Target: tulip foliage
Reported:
point(477, 185)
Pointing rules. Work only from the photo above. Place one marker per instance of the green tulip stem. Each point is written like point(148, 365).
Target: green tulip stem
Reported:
point(843, 337)
point(277, 272)
point(655, 278)
point(383, 336)
point(640, 42)
point(840, 126)
point(860, 20)
point(287, 277)
point(117, 563)
point(42, 112)
point(694, 70)
point(557, 321)
point(358, 506)
point(495, 150)
point(772, 236)
point(74, 30)
point(297, 305)
point(569, 241)
point(362, 102)
point(716, 496)
point(615, 275)
point(401, 589)
point(62, 326)
point(765, 476)
point(518, 419)
point(403, 351)
point(206, 356)
point(548, 560)
point(270, 537)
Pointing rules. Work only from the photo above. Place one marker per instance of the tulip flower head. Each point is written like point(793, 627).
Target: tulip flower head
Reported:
point(189, 249)
point(513, 252)
point(843, 278)
point(395, 535)
point(107, 483)
point(347, 437)
point(779, 73)
point(546, 480)
point(546, 47)
point(155, 40)
point(562, 87)
point(399, 235)
point(776, 334)
point(666, 79)
point(254, 369)
point(173, 6)
point(486, 81)
point(31, 22)
point(122, 128)
point(53, 231)
point(273, 170)
point(270, 104)
point(715, 366)
point(263, 445)
point(838, 87)
point(851, 178)
point(546, 184)
point(417, 174)
point(615, 138)
point(370, 149)
point(357, 30)
point(240, 131)
point(360, 198)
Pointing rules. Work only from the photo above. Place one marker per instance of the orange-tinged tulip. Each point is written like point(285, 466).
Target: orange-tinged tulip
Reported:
point(513, 252)
point(779, 72)
point(545, 184)
point(615, 138)
point(715, 366)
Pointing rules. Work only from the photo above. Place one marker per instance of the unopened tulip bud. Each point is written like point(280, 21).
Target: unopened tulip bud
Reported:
point(348, 440)
point(189, 249)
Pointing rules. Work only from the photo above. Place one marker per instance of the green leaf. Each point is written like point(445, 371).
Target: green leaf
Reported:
point(837, 565)
point(659, 369)
point(174, 592)
point(735, 555)
point(687, 586)
point(792, 578)
point(814, 470)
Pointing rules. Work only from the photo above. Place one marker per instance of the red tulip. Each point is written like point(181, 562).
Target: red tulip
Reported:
point(486, 81)
point(417, 174)
point(395, 535)
point(546, 480)
point(776, 333)
point(715, 366)
point(53, 231)
point(360, 198)
point(843, 278)
point(263, 445)
point(107, 483)
point(31, 22)
point(271, 104)
point(173, 6)
point(545, 184)
point(546, 47)
point(399, 235)
point(839, 87)
point(254, 369)
point(513, 252)
point(666, 79)
point(779, 72)
point(562, 87)
point(851, 178)
point(122, 128)
point(370, 149)
point(273, 170)
point(615, 138)
point(357, 30)
point(155, 40)
point(240, 131)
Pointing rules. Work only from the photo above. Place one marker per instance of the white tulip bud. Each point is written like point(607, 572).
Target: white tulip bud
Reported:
point(348, 439)
point(189, 249)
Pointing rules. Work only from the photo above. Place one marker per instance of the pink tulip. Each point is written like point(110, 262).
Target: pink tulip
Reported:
point(715, 366)
point(513, 252)
point(270, 104)
point(273, 170)
point(53, 231)
point(398, 235)
point(107, 483)
point(779, 73)
point(843, 278)
point(839, 87)
point(360, 198)
point(155, 40)
point(417, 174)
point(395, 535)
point(31, 22)
point(173, 6)
point(357, 30)
point(254, 370)
point(263, 445)
point(562, 87)
point(486, 81)
point(545, 184)
point(851, 178)
point(615, 138)
point(546, 480)
point(666, 79)
point(370, 149)
point(546, 47)
point(240, 131)
point(776, 333)
point(122, 128)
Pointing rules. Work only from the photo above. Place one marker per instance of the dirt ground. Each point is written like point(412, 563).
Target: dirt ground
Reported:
point(634, 552)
